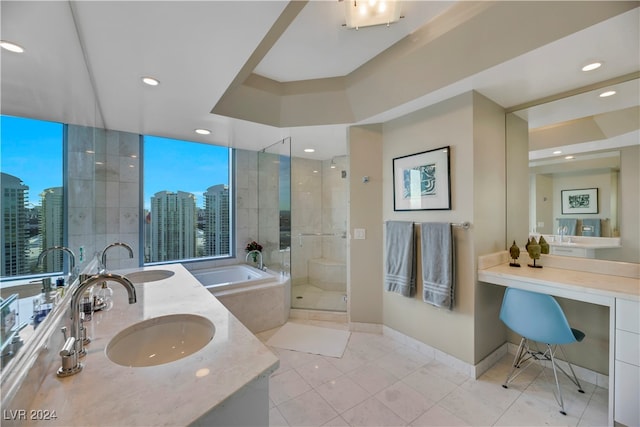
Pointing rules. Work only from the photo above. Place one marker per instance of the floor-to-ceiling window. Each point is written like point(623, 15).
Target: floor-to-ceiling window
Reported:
point(31, 153)
point(187, 200)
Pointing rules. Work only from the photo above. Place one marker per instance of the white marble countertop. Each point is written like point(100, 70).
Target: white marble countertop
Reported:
point(606, 284)
point(176, 393)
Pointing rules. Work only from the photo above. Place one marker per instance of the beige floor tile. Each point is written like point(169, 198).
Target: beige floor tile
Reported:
point(276, 419)
point(372, 412)
point(372, 378)
point(343, 393)
point(318, 372)
point(336, 422)
point(404, 401)
point(433, 387)
point(308, 409)
point(286, 386)
point(438, 416)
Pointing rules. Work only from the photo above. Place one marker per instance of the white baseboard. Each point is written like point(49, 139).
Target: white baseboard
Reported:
point(473, 371)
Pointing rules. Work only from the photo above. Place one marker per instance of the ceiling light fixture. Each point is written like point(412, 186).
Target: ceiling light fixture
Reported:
point(309, 150)
point(607, 93)
point(569, 157)
point(11, 47)
point(557, 152)
point(366, 13)
point(150, 81)
point(592, 66)
point(202, 131)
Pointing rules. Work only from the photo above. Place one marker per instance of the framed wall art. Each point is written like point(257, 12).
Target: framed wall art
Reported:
point(422, 181)
point(582, 201)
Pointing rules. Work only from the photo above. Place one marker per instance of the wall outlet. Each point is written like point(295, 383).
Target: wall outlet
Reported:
point(540, 224)
point(359, 233)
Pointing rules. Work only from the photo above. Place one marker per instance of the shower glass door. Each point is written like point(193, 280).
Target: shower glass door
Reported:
point(318, 234)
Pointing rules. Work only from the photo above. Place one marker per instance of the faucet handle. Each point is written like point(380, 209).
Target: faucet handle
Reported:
point(64, 332)
point(70, 365)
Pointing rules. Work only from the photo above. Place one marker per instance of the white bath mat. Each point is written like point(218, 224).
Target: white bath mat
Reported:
point(310, 339)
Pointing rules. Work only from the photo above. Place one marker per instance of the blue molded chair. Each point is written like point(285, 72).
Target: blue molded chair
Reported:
point(538, 318)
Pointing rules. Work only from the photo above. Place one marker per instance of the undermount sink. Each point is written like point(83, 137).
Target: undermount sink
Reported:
point(149, 275)
point(160, 340)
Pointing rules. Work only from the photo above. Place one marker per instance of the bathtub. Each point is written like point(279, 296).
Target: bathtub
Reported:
point(231, 277)
point(261, 300)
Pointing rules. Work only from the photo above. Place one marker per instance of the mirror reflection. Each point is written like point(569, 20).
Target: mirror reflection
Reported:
point(583, 179)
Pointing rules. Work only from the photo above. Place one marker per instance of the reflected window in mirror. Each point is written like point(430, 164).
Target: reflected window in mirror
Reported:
point(32, 196)
point(187, 200)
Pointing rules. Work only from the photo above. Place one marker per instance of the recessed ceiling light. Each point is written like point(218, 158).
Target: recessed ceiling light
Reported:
point(592, 66)
point(309, 150)
point(607, 93)
point(569, 157)
point(557, 152)
point(11, 47)
point(150, 81)
point(202, 131)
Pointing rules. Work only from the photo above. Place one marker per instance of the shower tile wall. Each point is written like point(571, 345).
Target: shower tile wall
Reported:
point(306, 215)
point(104, 192)
point(318, 202)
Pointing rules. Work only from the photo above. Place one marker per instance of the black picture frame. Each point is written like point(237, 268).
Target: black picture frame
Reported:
point(422, 181)
point(580, 201)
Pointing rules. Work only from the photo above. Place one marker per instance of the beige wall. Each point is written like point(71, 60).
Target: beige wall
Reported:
point(473, 127)
point(365, 211)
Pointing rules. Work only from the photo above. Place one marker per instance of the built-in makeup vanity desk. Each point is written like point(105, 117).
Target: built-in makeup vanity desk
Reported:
point(608, 283)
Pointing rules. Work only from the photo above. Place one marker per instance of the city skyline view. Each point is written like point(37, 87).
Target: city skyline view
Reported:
point(168, 166)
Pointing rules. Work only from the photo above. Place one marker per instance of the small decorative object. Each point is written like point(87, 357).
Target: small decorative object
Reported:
point(514, 251)
point(254, 246)
point(421, 181)
point(534, 252)
point(544, 246)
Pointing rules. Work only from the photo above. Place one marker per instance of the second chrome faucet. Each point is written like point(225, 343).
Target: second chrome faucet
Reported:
point(74, 344)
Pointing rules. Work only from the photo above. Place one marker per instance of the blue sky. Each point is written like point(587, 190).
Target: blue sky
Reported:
point(32, 151)
point(174, 165)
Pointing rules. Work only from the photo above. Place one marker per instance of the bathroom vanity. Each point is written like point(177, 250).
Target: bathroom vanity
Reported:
point(615, 285)
point(226, 382)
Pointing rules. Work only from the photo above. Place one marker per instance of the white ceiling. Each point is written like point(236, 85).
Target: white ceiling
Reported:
point(196, 49)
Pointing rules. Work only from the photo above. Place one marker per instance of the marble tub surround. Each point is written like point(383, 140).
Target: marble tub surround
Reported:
point(183, 392)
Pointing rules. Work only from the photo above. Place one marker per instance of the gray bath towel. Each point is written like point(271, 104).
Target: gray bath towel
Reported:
point(438, 270)
point(571, 225)
point(591, 227)
point(400, 268)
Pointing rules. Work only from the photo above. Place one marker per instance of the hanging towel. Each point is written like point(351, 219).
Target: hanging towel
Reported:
point(571, 225)
point(400, 268)
point(591, 227)
point(437, 264)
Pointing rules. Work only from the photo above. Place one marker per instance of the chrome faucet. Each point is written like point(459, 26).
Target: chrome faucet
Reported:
point(76, 324)
point(260, 264)
point(72, 259)
point(103, 257)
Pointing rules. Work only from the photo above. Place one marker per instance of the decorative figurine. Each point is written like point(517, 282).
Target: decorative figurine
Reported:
point(534, 252)
point(514, 251)
point(544, 246)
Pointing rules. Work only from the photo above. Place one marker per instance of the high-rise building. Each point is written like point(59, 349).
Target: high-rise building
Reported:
point(52, 226)
point(173, 226)
point(14, 226)
point(216, 226)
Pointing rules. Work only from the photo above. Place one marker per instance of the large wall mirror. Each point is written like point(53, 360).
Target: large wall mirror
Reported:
point(583, 158)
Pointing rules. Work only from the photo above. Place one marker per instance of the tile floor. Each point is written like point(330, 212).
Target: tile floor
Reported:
point(308, 296)
point(380, 382)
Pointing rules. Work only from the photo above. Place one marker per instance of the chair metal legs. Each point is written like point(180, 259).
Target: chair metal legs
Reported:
point(525, 356)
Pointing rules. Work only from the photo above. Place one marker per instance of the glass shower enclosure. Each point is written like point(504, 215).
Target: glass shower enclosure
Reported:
point(302, 224)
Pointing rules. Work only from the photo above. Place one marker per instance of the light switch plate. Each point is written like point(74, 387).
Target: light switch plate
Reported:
point(359, 233)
